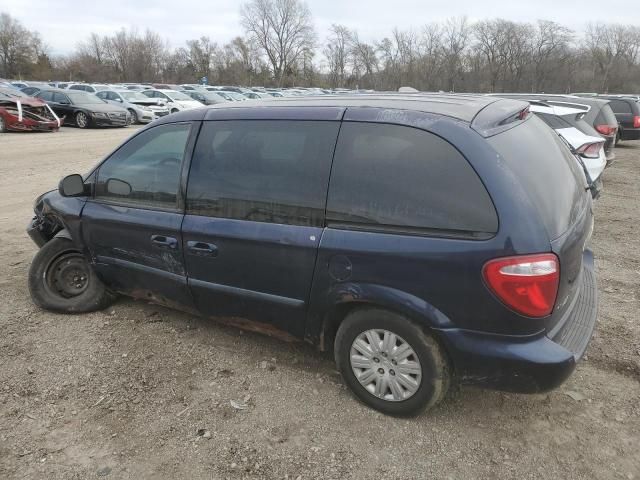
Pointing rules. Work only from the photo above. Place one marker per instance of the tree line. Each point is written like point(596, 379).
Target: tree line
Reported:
point(279, 46)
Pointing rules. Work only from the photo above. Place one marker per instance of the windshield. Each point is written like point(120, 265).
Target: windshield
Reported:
point(178, 96)
point(9, 93)
point(134, 96)
point(235, 96)
point(83, 98)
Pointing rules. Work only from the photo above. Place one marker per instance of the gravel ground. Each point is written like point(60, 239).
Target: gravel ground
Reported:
point(139, 391)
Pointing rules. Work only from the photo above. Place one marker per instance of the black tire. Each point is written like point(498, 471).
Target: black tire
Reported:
point(133, 118)
point(435, 376)
point(174, 110)
point(82, 120)
point(618, 137)
point(3, 126)
point(58, 260)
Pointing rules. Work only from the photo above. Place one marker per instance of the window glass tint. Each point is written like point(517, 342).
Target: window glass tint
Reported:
point(263, 171)
point(606, 117)
point(403, 177)
point(60, 98)
point(150, 163)
point(620, 106)
point(547, 170)
point(554, 121)
point(46, 96)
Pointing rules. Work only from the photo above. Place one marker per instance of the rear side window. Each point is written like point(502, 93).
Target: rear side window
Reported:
point(547, 170)
point(394, 177)
point(620, 106)
point(262, 171)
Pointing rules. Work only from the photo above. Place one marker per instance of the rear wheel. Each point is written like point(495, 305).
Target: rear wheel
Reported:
point(82, 120)
point(133, 117)
point(61, 280)
point(390, 363)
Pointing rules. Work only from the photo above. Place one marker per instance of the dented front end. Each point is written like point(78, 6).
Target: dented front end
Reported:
point(29, 116)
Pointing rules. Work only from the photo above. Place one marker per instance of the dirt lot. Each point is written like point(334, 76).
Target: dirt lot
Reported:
point(139, 391)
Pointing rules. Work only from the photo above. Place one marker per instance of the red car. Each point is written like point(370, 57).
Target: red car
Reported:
point(26, 114)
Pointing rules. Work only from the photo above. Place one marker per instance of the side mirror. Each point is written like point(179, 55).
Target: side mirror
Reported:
point(118, 187)
point(72, 186)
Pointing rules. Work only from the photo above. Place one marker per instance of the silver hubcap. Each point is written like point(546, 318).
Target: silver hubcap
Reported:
point(82, 120)
point(385, 365)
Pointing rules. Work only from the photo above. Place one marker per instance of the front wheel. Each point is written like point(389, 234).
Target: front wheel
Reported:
point(133, 117)
point(82, 120)
point(61, 280)
point(390, 363)
point(3, 127)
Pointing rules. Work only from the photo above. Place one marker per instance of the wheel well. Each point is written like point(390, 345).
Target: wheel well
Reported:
point(335, 318)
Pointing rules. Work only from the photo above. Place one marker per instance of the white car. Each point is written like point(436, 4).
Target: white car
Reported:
point(175, 101)
point(88, 87)
point(589, 148)
point(142, 109)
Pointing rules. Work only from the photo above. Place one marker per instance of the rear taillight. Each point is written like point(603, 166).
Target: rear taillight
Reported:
point(636, 121)
point(606, 130)
point(590, 150)
point(527, 284)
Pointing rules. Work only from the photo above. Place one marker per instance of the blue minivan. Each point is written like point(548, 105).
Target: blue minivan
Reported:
point(424, 239)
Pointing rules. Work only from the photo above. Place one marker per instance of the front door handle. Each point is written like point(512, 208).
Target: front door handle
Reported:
point(162, 241)
point(202, 249)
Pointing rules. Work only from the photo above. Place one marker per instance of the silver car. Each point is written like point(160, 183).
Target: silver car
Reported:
point(142, 109)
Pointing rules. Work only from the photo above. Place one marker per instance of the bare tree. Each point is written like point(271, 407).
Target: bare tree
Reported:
point(455, 40)
point(336, 52)
point(550, 41)
point(282, 28)
point(16, 47)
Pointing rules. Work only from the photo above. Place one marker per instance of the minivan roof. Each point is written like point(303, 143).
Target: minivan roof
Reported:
point(460, 106)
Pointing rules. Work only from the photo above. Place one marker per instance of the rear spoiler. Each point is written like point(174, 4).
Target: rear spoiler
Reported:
point(500, 116)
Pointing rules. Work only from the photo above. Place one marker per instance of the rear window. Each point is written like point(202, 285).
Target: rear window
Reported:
point(620, 106)
point(547, 170)
point(390, 177)
point(606, 117)
point(554, 121)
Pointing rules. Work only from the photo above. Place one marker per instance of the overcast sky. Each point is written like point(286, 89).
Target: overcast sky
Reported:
point(63, 23)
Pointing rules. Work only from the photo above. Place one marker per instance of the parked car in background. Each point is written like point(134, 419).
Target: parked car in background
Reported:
point(12, 92)
point(233, 96)
point(256, 95)
point(19, 85)
point(627, 112)
point(84, 109)
point(26, 114)
point(31, 90)
point(175, 101)
point(85, 87)
point(164, 86)
point(598, 114)
point(424, 241)
point(141, 108)
point(588, 149)
point(231, 89)
point(205, 97)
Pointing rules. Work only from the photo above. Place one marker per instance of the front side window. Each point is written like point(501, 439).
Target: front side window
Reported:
point(263, 171)
point(146, 170)
point(401, 178)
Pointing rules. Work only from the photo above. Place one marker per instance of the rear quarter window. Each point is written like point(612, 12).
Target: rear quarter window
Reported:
point(396, 177)
point(547, 170)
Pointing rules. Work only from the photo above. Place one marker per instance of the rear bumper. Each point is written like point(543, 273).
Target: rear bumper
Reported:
point(631, 134)
point(526, 364)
